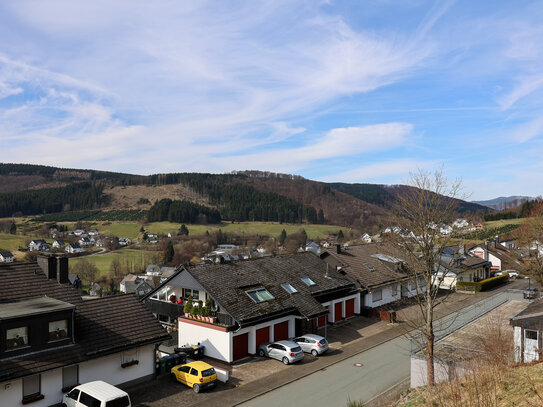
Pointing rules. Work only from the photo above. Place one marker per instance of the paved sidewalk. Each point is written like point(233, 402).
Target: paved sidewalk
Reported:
point(348, 339)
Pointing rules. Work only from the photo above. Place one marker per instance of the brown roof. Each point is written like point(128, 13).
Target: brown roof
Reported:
point(367, 264)
point(102, 326)
point(510, 260)
point(227, 283)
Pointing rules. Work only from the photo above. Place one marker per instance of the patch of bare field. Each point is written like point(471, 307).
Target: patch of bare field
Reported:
point(127, 197)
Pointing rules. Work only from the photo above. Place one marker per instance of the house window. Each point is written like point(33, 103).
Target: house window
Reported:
point(308, 281)
point(16, 337)
point(187, 292)
point(289, 288)
point(377, 295)
point(260, 295)
point(70, 377)
point(58, 330)
point(394, 290)
point(31, 386)
point(530, 334)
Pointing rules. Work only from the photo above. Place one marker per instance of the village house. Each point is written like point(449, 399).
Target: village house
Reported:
point(52, 339)
point(454, 265)
point(255, 301)
point(135, 284)
point(365, 238)
point(528, 332)
point(6, 256)
point(380, 277)
point(73, 248)
point(499, 256)
point(58, 244)
point(39, 245)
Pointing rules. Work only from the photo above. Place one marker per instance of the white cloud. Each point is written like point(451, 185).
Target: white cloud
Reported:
point(529, 129)
point(394, 169)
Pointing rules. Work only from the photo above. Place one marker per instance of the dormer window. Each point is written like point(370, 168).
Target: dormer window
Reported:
point(289, 288)
point(58, 330)
point(16, 337)
point(308, 281)
point(260, 295)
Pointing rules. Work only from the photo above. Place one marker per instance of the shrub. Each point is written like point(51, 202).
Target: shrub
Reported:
point(207, 308)
point(188, 306)
point(481, 285)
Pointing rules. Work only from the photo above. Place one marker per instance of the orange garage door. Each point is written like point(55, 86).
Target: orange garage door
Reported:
point(338, 312)
point(241, 346)
point(349, 308)
point(262, 335)
point(280, 331)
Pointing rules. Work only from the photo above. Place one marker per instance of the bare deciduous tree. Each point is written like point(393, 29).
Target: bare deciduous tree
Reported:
point(530, 235)
point(429, 202)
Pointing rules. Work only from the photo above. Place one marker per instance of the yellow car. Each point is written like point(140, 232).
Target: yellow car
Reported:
point(198, 375)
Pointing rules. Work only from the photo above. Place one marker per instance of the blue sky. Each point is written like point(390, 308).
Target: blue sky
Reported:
point(353, 91)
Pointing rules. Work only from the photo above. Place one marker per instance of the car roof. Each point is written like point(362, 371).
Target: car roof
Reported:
point(198, 365)
point(102, 390)
point(312, 336)
point(290, 344)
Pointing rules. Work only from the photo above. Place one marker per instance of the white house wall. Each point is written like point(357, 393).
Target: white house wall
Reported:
point(386, 298)
point(517, 340)
point(107, 369)
point(217, 343)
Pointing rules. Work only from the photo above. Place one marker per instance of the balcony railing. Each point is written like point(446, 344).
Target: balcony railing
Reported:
point(164, 308)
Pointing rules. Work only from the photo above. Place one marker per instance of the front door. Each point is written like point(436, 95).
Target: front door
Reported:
point(530, 345)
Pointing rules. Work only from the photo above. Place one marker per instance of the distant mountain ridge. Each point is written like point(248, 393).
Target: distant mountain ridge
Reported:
point(504, 202)
point(239, 196)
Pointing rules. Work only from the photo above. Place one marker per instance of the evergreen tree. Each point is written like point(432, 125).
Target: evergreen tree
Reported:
point(304, 236)
point(320, 217)
point(13, 228)
point(340, 236)
point(183, 230)
point(282, 237)
point(169, 253)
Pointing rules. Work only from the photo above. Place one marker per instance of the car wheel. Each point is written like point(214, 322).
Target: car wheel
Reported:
point(315, 353)
point(261, 353)
point(196, 388)
point(64, 405)
point(285, 360)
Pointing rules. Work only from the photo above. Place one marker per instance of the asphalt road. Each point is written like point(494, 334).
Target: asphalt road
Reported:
point(382, 367)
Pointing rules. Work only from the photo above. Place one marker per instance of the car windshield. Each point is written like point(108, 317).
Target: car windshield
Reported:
point(322, 341)
point(296, 349)
point(208, 372)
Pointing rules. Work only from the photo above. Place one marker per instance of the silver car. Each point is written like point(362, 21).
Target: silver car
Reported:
point(285, 351)
point(314, 344)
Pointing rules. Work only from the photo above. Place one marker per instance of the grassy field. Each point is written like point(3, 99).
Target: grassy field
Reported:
point(250, 228)
point(503, 222)
point(120, 229)
point(11, 242)
point(103, 262)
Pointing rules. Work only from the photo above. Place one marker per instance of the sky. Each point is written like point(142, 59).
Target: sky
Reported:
point(347, 91)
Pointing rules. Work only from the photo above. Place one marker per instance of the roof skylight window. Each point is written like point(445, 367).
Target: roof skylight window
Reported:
point(369, 266)
point(289, 288)
point(260, 295)
point(308, 281)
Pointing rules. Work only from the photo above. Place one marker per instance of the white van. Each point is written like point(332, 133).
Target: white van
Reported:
point(96, 394)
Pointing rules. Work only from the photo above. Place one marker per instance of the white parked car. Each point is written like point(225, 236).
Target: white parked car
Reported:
point(96, 394)
point(285, 351)
point(512, 273)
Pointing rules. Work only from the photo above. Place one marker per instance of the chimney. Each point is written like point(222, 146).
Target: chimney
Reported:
point(62, 270)
point(49, 266)
point(55, 268)
point(338, 248)
point(486, 250)
point(462, 249)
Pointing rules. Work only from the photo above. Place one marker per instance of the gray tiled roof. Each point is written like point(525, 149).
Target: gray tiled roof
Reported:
point(227, 283)
point(102, 326)
point(355, 260)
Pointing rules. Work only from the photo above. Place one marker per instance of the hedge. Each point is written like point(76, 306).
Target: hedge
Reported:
point(482, 285)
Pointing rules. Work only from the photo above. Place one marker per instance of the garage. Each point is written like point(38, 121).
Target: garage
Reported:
point(241, 346)
point(338, 311)
point(280, 331)
point(322, 321)
point(349, 308)
point(262, 335)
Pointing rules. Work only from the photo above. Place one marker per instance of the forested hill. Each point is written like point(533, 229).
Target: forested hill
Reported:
point(242, 196)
